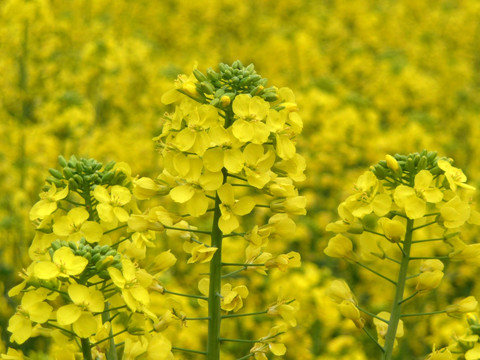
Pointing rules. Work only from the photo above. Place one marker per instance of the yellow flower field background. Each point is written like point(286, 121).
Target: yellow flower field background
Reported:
point(370, 78)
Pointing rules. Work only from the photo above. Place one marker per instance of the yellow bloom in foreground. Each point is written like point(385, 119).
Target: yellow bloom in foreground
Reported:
point(464, 252)
point(227, 152)
point(368, 198)
point(350, 311)
point(200, 253)
point(455, 213)
point(194, 138)
point(469, 304)
point(258, 164)
point(250, 123)
point(294, 205)
point(394, 230)
point(32, 309)
point(442, 354)
point(74, 225)
point(12, 354)
point(284, 261)
point(64, 264)
point(431, 265)
point(134, 294)
point(382, 327)
point(230, 208)
point(48, 203)
point(455, 176)
point(414, 199)
point(339, 247)
point(159, 348)
point(339, 291)
point(193, 182)
point(85, 302)
point(146, 188)
point(270, 343)
point(232, 298)
point(109, 206)
point(473, 354)
point(286, 311)
point(429, 280)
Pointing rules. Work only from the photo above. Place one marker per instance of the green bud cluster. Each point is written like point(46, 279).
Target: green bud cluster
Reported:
point(82, 172)
point(474, 324)
point(231, 81)
point(408, 166)
point(99, 257)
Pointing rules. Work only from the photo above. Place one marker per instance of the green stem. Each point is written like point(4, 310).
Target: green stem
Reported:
point(409, 297)
point(424, 225)
point(237, 177)
point(426, 313)
point(214, 291)
point(242, 340)
point(241, 264)
point(114, 229)
point(375, 272)
point(185, 295)
point(371, 314)
point(112, 351)
point(189, 350)
point(185, 229)
point(88, 200)
point(400, 288)
point(234, 272)
point(247, 314)
point(86, 349)
point(373, 338)
point(427, 240)
point(246, 356)
point(376, 233)
point(214, 296)
point(110, 337)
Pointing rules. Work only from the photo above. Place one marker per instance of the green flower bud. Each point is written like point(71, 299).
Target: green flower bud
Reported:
point(55, 245)
point(56, 173)
point(422, 163)
point(78, 179)
point(106, 177)
point(104, 249)
point(62, 161)
point(199, 75)
point(212, 75)
point(104, 274)
point(223, 67)
point(55, 181)
point(72, 162)
point(109, 166)
point(79, 167)
point(96, 258)
point(68, 172)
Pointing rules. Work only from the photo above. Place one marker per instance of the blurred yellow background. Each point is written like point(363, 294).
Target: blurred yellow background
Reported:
point(371, 77)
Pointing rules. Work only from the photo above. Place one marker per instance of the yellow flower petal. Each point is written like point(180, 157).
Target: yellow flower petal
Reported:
point(86, 325)
point(68, 314)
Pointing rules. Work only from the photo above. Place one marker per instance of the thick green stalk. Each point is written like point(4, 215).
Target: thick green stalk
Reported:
point(397, 302)
point(112, 351)
point(86, 349)
point(214, 293)
point(214, 310)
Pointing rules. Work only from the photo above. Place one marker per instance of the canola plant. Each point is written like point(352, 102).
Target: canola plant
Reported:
point(115, 257)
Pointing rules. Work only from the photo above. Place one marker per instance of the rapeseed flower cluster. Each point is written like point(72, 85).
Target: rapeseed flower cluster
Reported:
point(393, 201)
point(372, 77)
point(85, 268)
